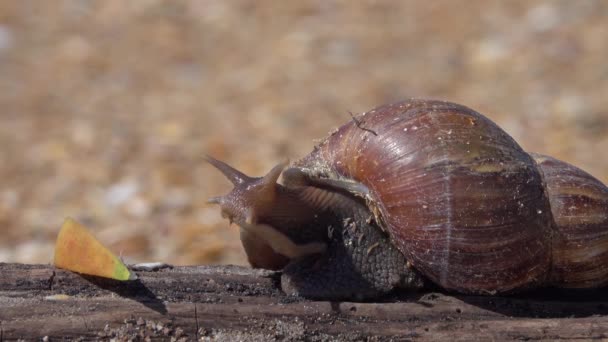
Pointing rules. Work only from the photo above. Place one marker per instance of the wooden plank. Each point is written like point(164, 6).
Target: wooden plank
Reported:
point(228, 303)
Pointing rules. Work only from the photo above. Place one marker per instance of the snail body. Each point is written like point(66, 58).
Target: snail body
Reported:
point(422, 192)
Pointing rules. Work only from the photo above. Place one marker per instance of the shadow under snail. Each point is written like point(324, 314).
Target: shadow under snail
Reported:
point(421, 192)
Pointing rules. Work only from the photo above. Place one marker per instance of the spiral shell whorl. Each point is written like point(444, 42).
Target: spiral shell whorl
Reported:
point(458, 196)
point(579, 204)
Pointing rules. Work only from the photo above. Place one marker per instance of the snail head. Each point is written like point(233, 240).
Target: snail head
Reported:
point(250, 197)
point(269, 214)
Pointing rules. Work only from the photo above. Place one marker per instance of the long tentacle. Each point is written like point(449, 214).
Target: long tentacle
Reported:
point(235, 176)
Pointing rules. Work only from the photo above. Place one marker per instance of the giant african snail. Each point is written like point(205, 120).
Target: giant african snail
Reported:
point(422, 191)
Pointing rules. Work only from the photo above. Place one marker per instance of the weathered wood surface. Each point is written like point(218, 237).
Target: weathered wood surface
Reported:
point(234, 303)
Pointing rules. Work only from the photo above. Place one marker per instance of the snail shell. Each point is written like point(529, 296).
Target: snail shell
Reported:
point(465, 204)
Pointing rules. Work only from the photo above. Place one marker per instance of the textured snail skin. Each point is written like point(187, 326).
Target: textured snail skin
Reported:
point(359, 263)
point(433, 192)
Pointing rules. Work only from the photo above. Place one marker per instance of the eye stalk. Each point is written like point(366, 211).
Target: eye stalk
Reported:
point(235, 176)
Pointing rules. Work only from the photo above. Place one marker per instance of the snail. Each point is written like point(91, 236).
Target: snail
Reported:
point(419, 193)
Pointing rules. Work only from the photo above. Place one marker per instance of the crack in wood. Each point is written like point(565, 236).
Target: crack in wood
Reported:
point(51, 280)
point(86, 326)
point(196, 320)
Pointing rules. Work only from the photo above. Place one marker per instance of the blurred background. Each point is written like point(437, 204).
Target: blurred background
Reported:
point(107, 107)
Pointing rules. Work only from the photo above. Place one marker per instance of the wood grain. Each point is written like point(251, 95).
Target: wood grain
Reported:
point(228, 303)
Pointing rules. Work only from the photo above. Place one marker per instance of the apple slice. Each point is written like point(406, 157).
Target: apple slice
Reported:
point(79, 251)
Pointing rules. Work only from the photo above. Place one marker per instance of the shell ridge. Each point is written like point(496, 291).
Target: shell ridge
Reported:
point(445, 272)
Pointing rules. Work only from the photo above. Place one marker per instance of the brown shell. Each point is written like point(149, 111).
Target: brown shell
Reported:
point(458, 196)
point(579, 204)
